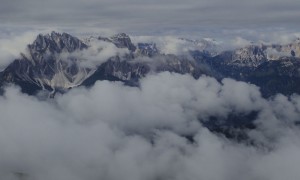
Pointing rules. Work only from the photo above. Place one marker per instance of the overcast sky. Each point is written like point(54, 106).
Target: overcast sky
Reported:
point(152, 16)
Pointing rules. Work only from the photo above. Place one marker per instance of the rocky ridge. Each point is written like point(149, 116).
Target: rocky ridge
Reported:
point(45, 66)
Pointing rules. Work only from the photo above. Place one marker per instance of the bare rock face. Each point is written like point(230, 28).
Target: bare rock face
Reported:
point(255, 55)
point(147, 49)
point(47, 65)
point(43, 65)
point(121, 40)
point(249, 56)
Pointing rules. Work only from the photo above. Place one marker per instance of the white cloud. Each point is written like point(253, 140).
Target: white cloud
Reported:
point(239, 42)
point(14, 41)
point(112, 131)
point(12, 47)
point(274, 54)
point(173, 45)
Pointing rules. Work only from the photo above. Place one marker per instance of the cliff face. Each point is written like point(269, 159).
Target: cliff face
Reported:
point(42, 66)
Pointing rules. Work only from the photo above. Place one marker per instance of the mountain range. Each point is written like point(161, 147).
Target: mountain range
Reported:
point(51, 64)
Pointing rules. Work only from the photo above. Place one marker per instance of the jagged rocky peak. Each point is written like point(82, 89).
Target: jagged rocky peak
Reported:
point(44, 66)
point(121, 40)
point(147, 49)
point(56, 43)
point(249, 56)
point(250, 53)
point(120, 36)
point(254, 55)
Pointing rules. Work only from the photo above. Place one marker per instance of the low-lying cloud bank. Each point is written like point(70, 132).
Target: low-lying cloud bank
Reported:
point(113, 132)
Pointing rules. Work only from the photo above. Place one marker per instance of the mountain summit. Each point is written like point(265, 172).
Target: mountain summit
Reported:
point(42, 66)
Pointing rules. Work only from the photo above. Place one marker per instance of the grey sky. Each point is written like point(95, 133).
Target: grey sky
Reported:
point(152, 16)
